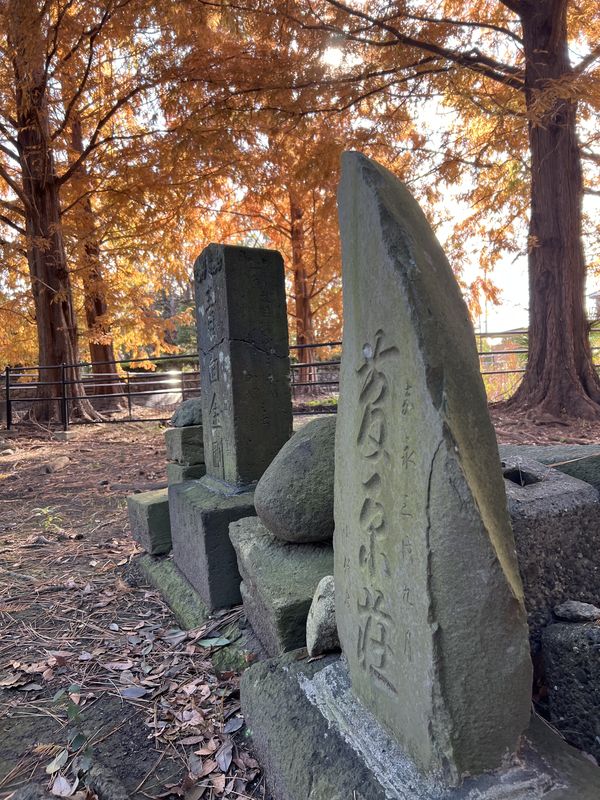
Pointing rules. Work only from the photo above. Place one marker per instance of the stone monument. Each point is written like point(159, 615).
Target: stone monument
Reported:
point(432, 698)
point(246, 409)
point(425, 561)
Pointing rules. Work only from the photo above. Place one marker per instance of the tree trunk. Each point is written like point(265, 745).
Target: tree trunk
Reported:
point(560, 380)
point(51, 285)
point(101, 346)
point(302, 309)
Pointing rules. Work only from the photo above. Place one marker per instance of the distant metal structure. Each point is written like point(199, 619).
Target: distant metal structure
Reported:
point(315, 381)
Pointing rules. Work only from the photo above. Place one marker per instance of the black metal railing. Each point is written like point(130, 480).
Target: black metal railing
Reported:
point(127, 395)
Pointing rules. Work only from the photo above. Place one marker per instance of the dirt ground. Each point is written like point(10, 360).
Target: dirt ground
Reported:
point(97, 681)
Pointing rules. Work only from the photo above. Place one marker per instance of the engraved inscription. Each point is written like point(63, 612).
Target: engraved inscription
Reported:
point(375, 621)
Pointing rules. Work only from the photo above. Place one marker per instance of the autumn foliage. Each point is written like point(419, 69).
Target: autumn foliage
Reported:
point(133, 132)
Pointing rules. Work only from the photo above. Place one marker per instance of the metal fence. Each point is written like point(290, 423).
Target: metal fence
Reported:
point(149, 389)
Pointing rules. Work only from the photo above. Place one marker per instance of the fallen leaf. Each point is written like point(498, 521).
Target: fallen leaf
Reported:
point(57, 762)
point(208, 767)
point(133, 692)
point(234, 724)
point(118, 665)
point(13, 680)
point(30, 687)
point(194, 740)
point(196, 792)
point(218, 641)
point(62, 788)
point(218, 782)
point(224, 756)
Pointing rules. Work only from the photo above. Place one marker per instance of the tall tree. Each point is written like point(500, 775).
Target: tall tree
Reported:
point(500, 63)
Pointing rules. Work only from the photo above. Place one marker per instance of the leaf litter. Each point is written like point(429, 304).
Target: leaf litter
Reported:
point(77, 626)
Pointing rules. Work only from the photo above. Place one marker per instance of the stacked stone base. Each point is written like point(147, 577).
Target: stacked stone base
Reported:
point(315, 740)
point(185, 451)
point(279, 582)
point(149, 520)
point(200, 517)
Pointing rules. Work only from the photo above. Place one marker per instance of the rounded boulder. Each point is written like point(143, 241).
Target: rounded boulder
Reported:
point(294, 497)
point(187, 413)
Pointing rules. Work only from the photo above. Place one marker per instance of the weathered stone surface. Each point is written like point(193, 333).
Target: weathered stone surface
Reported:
point(202, 549)
point(244, 370)
point(279, 583)
point(185, 445)
point(556, 524)
point(149, 520)
point(425, 565)
point(573, 611)
point(188, 413)
point(177, 473)
point(571, 653)
point(294, 498)
point(577, 460)
point(321, 629)
point(315, 740)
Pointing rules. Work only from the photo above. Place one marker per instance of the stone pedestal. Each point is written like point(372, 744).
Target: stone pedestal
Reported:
point(556, 523)
point(185, 445)
point(316, 740)
point(246, 410)
point(149, 520)
point(200, 518)
point(279, 582)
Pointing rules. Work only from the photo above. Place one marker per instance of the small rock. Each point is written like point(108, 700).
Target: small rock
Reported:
point(8, 451)
point(321, 629)
point(188, 413)
point(294, 497)
point(574, 611)
point(56, 464)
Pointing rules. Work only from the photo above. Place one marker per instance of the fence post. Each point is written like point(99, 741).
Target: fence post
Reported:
point(8, 401)
point(128, 396)
point(64, 408)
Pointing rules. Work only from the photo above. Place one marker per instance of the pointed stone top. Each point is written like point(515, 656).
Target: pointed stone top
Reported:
point(428, 595)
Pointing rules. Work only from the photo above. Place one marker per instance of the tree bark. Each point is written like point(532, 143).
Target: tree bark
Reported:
point(302, 308)
point(560, 379)
point(50, 280)
point(102, 354)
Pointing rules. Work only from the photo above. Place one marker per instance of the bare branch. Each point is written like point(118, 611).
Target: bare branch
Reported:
point(12, 224)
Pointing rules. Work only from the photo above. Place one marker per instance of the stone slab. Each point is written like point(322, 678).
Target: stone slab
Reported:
point(425, 563)
point(185, 445)
point(200, 518)
point(556, 524)
point(571, 653)
point(244, 360)
point(149, 520)
point(177, 473)
point(315, 740)
point(580, 461)
point(279, 582)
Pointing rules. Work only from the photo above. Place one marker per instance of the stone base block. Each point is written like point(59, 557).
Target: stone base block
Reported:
point(185, 445)
point(571, 654)
point(556, 522)
point(178, 473)
point(280, 580)
point(315, 740)
point(202, 549)
point(149, 520)
point(580, 461)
